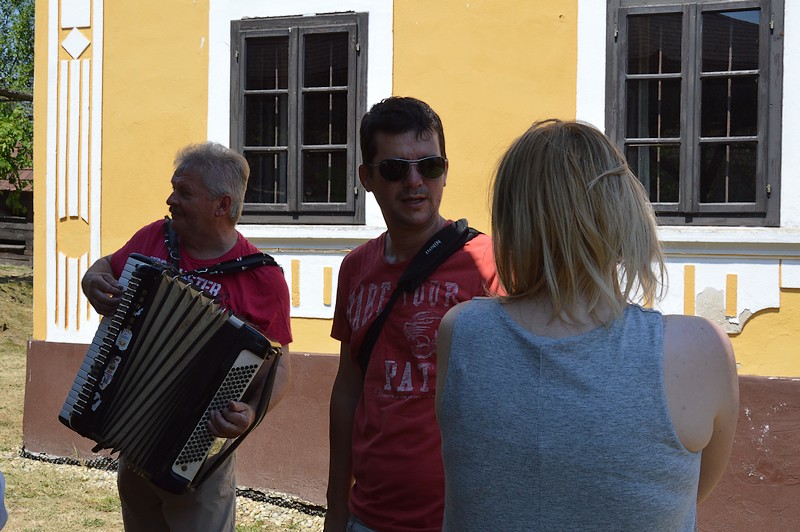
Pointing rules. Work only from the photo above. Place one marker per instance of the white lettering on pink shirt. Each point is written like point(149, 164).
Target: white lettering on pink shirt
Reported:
point(406, 385)
point(424, 367)
point(367, 301)
point(386, 287)
point(409, 378)
point(354, 309)
point(451, 290)
point(372, 291)
point(391, 371)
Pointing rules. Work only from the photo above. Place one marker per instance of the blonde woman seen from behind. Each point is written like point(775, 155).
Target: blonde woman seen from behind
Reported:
point(564, 405)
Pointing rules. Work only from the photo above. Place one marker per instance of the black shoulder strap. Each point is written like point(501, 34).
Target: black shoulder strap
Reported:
point(444, 243)
point(237, 265)
point(242, 263)
point(171, 242)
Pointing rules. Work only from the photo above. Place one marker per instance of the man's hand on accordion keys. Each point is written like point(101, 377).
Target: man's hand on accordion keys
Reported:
point(231, 421)
point(101, 287)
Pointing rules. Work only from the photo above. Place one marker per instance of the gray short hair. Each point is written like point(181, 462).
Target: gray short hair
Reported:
point(222, 170)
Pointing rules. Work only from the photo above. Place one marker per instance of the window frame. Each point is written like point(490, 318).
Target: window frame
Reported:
point(295, 211)
point(765, 210)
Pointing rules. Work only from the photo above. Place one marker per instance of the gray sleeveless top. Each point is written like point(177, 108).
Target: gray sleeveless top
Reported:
point(561, 434)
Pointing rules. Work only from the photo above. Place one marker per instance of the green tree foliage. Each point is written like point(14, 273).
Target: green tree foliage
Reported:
point(16, 94)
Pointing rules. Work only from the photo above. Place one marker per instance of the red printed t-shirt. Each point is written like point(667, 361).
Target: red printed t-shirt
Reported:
point(397, 461)
point(258, 295)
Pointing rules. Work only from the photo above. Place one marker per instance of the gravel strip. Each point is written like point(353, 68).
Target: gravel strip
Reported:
point(253, 507)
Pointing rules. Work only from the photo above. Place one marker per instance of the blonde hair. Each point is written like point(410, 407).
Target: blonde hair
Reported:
point(570, 220)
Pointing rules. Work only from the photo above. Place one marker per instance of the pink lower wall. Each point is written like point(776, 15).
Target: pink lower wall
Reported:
point(289, 451)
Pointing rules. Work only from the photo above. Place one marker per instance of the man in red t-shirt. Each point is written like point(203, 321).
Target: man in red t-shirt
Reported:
point(208, 188)
point(385, 459)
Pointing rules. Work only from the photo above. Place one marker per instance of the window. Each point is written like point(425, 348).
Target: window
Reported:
point(694, 99)
point(297, 96)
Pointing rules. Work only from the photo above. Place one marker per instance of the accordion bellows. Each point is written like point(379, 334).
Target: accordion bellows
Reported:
point(156, 369)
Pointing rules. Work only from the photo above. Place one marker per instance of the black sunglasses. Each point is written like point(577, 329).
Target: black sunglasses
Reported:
point(396, 169)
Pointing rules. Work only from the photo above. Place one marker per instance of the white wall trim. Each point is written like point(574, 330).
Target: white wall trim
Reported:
point(590, 95)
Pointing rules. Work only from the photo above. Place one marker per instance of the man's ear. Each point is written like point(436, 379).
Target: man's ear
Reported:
point(224, 205)
point(365, 177)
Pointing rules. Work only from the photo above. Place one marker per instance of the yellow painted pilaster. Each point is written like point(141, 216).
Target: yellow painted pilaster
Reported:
point(731, 294)
point(688, 290)
point(327, 284)
point(295, 283)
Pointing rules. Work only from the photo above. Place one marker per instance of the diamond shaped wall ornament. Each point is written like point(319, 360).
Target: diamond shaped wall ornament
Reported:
point(75, 43)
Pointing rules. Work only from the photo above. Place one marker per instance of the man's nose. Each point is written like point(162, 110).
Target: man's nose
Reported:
point(413, 178)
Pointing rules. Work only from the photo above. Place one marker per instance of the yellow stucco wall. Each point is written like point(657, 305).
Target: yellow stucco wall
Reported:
point(313, 336)
point(768, 345)
point(489, 69)
point(155, 100)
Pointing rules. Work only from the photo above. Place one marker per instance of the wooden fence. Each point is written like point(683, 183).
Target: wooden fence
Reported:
point(16, 241)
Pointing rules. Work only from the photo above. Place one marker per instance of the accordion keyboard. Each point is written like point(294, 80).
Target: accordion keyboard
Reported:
point(89, 376)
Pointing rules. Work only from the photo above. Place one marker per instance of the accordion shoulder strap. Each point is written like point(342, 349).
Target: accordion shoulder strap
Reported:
point(236, 265)
point(433, 253)
point(171, 242)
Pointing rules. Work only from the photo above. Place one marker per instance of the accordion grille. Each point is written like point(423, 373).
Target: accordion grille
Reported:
point(201, 439)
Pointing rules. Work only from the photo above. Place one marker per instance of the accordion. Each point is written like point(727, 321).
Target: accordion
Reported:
point(157, 368)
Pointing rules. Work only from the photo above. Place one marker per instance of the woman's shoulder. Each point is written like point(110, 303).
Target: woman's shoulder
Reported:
point(699, 343)
point(699, 376)
point(470, 307)
point(695, 333)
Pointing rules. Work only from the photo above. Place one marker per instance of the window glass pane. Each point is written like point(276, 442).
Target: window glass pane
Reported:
point(654, 44)
point(729, 107)
point(325, 60)
point(658, 168)
point(653, 108)
point(325, 177)
point(730, 40)
point(728, 172)
point(325, 118)
point(265, 119)
point(267, 63)
point(267, 183)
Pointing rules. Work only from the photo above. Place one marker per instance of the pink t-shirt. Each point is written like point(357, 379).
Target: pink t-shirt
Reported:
point(397, 461)
point(258, 295)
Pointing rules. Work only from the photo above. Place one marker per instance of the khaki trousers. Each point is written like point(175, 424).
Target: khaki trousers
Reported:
point(148, 508)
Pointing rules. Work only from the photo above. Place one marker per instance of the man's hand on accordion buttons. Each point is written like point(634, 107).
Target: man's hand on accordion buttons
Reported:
point(103, 291)
point(231, 421)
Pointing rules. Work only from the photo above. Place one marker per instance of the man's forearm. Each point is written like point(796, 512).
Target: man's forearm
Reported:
point(340, 467)
point(280, 386)
point(340, 479)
